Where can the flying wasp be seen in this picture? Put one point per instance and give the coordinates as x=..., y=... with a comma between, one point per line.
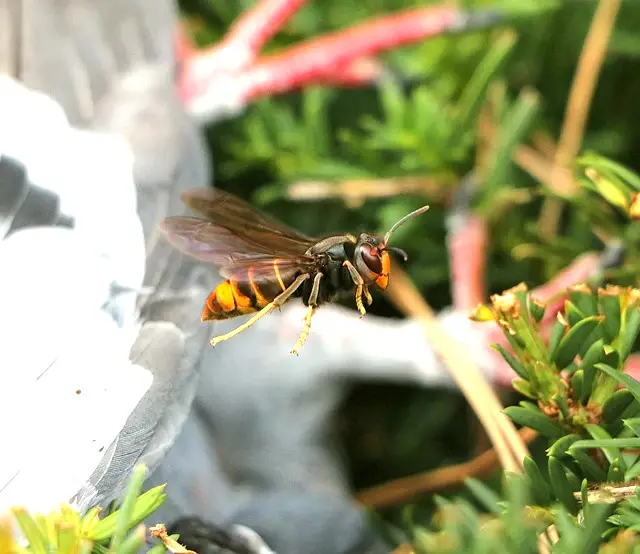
x=265, y=263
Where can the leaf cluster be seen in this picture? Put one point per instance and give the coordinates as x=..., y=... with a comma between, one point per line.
x=583, y=496
x=66, y=531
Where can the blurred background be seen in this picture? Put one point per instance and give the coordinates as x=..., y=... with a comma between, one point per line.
x=487, y=110
x=340, y=158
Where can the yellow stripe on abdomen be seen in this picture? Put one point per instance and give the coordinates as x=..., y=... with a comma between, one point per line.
x=225, y=297
x=227, y=301
x=261, y=300
x=244, y=303
x=276, y=269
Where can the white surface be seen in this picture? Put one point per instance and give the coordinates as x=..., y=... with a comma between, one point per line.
x=68, y=386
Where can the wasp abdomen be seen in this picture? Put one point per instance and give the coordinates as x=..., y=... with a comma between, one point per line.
x=227, y=301
x=232, y=298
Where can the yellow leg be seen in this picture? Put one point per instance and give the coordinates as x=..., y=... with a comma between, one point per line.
x=305, y=332
x=277, y=302
x=359, y=305
x=311, y=309
x=367, y=295
x=360, y=288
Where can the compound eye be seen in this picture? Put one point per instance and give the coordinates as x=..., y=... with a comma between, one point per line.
x=371, y=257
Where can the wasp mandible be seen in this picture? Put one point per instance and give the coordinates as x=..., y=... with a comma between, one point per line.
x=266, y=263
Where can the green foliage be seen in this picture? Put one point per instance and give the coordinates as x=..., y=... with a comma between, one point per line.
x=65, y=531
x=582, y=487
x=586, y=495
x=430, y=128
x=426, y=123
x=586, y=408
x=600, y=327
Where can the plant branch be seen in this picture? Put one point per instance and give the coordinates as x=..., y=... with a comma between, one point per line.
x=580, y=97
x=355, y=192
x=505, y=439
x=400, y=490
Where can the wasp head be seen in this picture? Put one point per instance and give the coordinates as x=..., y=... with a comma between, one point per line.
x=371, y=256
x=371, y=259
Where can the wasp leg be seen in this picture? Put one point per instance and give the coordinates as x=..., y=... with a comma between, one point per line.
x=311, y=309
x=367, y=295
x=276, y=303
x=360, y=287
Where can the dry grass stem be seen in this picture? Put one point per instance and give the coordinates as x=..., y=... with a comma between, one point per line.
x=478, y=392
x=586, y=77
x=537, y=161
x=355, y=192
x=543, y=544
x=547, y=539
x=579, y=102
x=543, y=142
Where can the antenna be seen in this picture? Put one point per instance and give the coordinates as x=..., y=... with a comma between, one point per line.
x=402, y=221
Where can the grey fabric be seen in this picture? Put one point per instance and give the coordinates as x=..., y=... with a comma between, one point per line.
x=262, y=423
x=23, y=204
x=110, y=65
x=315, y=524
x=159, y=348
x=78, y=50
x=40, y=207
x=287, y=522
x=13, y=191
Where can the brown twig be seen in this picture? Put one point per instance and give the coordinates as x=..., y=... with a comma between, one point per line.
x=537, y=161
x=504, y=437
x=544, y=142
x=580, y=97
x=354, y=192
x=535, y=164
x=547, y=539
x=400, y=490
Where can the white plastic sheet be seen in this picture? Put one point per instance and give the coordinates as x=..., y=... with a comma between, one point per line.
x=66, y=382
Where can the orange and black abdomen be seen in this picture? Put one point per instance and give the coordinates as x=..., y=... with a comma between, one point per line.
x=235, y=297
